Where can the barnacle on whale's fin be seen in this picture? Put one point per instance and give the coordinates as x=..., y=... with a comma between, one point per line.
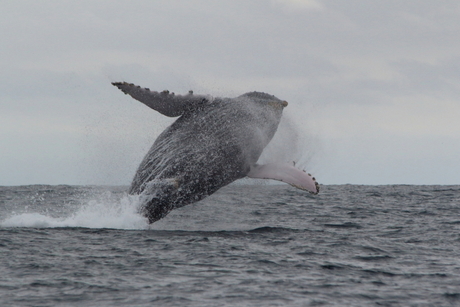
x=164, y=102
x=286, y=173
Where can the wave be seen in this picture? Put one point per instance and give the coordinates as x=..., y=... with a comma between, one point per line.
x=270, y=229
x=108, y=212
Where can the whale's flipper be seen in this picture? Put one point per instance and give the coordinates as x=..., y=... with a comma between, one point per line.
x=286, y=173
x=166, y=103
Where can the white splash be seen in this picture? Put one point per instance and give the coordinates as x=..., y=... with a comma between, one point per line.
x=102, y=213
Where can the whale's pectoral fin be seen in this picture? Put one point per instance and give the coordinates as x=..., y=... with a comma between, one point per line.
x=286, y=173
x=164, y=102
x=154, y=201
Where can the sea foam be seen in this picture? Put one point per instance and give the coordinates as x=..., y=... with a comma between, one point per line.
x=103, y=212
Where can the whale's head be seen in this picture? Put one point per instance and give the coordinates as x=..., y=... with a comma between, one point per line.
x=266, y=101
x=262, y=115
x=265, y=106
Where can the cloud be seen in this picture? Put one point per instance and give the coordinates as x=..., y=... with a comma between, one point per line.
x=293, y=5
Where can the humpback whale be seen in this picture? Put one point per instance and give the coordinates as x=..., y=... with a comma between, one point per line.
x=213, y=142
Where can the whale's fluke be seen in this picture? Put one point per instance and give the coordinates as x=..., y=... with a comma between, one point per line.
x=286, y=173
x=164, y=102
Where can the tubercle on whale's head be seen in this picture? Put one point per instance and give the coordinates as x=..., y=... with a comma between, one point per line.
x=278, y=104
x=264, y=99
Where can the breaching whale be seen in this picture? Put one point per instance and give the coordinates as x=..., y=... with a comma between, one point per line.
x=214, y=142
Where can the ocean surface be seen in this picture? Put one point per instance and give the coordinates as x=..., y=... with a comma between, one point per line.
x=247, y=245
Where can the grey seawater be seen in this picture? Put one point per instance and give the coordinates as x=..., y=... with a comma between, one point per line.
x=244, y=246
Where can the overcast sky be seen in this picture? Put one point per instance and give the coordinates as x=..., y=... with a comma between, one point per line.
x=373, y=86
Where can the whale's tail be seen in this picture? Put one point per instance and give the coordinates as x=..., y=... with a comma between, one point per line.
x=155, y=198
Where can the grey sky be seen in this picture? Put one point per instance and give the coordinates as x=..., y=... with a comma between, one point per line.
x=373, y=86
